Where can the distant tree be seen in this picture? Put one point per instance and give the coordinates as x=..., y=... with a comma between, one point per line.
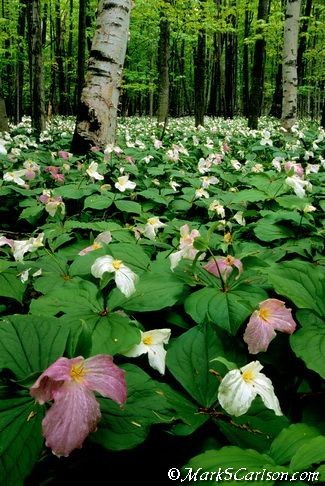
x=36, y=66
x=200, y=76
x=163, y=71
x=97, y=113
x=289, y=70
x=257, y=84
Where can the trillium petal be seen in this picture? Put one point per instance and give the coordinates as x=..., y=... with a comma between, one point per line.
x=125, y=280
x=136, y=350
x=280, y=317
x=51, y=380
x=258, y=334
x=158, y=336
x=234, y=394
x=104, y=377
x=175, y=258
x=157, y=357
x=265, y=390
x=102, y=265
x=70, y=419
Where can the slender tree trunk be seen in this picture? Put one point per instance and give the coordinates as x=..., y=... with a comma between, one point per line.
x=289, y=74
x=69, y=74
x=301, y=51
x=256, y=95
x=59, y=55
x=245, y=90
x=199, y=79
x=97, y=114
x=81, y=48
x=20, y=61
x=163, y=72
x=230, y=68
x=3, y=115
x=322, y=123
x=37, y=86
x=276, y=107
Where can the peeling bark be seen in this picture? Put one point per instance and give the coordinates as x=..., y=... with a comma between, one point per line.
x=97, y=113
x=289, y=74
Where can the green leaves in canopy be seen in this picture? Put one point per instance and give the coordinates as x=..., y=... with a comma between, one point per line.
x=227, y=310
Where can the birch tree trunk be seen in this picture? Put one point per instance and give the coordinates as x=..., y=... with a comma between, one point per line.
x=289, y=72
x=97, y=113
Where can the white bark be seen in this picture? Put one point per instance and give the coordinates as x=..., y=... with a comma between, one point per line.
x=289, y=73
x=97, y=117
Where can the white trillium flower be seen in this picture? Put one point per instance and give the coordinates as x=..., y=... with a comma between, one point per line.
x=201, y=193
x=92, y=172
x=123, y=183
x=151, y=227
x=218, y=208
x=152, y=343
x=125, y=278
x=15, y=176
x=239, y=387
x=20, y=247
x=299, y=185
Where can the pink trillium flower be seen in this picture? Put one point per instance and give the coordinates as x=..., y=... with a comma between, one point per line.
x=186, y=249
x=71, y=384
x=224, y=266
x=272, y=316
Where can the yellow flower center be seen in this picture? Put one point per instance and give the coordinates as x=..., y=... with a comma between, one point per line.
x=229, y=260
x=248, y=376
x=264, y=314
x=117, y=264
x=152, y=221
x=78, y=372
x=227, y=238
x=147, y=340
x=96, y=246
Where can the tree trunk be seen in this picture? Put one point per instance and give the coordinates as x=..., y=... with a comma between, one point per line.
x=97, y=113
x=81, y=48
x=301, y=51
x=289, y=74
x=3, y=116
x=199, y=79
x=230, y=67
x=20, y=61
x=163, y=72
x=37, y=86
x=256, y=94
x=322, y=123
x=245, y=90
x=276, y=107
x=59, y=54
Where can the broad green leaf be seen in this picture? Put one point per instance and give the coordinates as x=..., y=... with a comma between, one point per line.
x=256, y=429
x=107, y=332
x=128, y=206
x=127, y=426
x=308, y=343
x=289, y=441
x=30, y=343
x=238, y=463
x=21, y=439
x=302, y=282
x=98, y=201
x=248, y=195
x=11, y=286
x=154, y=291
x=312, y=452
x=267, y=230
x=72, y=191
x=190, y=359
x=227, y=310
x=80, y=298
